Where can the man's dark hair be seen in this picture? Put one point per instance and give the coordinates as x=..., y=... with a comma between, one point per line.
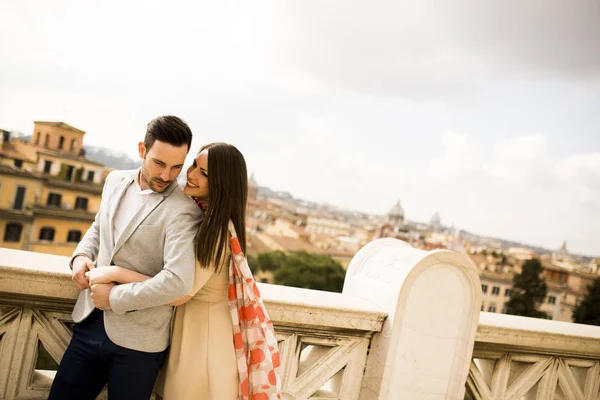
x=168, y=129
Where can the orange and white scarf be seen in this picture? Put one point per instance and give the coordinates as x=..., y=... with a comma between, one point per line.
x=253, y=334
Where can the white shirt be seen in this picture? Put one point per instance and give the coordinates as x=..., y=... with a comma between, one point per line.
x=133, y=198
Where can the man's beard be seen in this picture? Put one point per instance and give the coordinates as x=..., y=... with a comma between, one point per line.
x=150, y=182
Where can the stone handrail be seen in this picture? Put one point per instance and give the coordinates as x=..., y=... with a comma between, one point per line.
x=407, y=326
x=528, y=358
x=323, y=337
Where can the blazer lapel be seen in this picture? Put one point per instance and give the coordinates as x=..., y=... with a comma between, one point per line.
x=114, y=202
x=148, y=206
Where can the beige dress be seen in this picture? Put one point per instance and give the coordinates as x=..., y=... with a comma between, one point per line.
x=202, y=363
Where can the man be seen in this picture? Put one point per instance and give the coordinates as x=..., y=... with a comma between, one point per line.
x=146, y=224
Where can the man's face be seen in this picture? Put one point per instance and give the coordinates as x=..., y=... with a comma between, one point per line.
x=161, y=164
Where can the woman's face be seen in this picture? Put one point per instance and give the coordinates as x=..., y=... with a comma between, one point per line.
x=197, y=177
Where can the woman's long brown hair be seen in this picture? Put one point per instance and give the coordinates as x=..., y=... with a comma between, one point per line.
x=228, y=191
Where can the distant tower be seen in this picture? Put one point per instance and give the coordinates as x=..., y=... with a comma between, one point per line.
x=436, y=220
x=562, y=254
x=396, y=216
x=252, y=188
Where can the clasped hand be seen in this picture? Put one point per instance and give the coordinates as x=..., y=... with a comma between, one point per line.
x=98, y=280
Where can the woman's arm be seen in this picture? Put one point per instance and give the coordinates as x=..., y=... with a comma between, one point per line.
x=118, y=274
x=114, y=273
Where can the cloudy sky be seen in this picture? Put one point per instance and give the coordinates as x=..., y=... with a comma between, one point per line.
x=486, y=111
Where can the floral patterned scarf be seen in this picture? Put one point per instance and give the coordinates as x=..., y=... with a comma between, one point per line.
x=253, y=334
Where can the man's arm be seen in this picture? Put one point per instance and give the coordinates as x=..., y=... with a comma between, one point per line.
x=177, y=276
x=89, y=245
x=87, y=249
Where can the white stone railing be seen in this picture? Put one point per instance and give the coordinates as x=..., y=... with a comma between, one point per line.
x=525, y=358
x=406, y=327
x=324, y=337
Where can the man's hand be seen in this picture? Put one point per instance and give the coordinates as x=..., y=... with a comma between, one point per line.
x=101, y=295
x=100, y=275
x=81, y=264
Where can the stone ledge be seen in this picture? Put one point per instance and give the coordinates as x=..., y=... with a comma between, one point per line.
x=539, y=336
x=27, y=274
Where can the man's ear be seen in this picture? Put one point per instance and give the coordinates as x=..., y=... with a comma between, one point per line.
x=142, y=150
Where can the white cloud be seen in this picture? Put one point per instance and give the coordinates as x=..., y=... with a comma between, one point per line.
x=344, y=102
x=522, y=187
x=580, y=169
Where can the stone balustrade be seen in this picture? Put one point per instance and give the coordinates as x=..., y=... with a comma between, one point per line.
x=407, y=326
x=526, y=358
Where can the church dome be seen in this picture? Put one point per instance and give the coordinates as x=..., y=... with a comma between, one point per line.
x=396, y=211
x=252, y=182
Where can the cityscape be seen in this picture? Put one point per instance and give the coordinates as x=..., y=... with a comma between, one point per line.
x=51, y=189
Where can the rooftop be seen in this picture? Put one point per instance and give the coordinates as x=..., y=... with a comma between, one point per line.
x=58, y=124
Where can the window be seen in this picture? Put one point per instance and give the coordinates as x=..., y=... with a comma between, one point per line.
x=492, y=308
x=19, y=164
x=54, y=199
x=506, y=292
x=47, y=140
x=37, y=138
x=552, y=300
x=73, y=145
x=19, y=198
x=484, y=288
x=81, y=203
x=61, y=142
x=47, y=233
x=70, y=170
x=13, y=232
x=496, y=290
x=74, y=236
x=90, y=176
x=47, y=166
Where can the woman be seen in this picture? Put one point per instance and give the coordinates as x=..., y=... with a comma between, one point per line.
x=203, y=358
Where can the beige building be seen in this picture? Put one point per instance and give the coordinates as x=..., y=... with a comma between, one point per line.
x=566, y=282
x=327, y=226
x=49, y=191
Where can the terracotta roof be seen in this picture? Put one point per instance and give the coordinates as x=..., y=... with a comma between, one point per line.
x=8, y=150
x=552, y=267
x=291, y=244
x=59, y=124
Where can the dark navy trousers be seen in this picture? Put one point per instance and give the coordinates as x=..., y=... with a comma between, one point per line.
x=92, y=360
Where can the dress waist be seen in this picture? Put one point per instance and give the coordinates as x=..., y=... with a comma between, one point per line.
x=212, y=295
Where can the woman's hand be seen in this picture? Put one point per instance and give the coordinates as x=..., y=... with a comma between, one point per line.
x=100, y=275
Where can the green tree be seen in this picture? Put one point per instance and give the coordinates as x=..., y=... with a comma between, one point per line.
x=588, y=311
x=301, y=269
x=271, y=261
x=253, y=263
x=528, y=291
x=310, y=271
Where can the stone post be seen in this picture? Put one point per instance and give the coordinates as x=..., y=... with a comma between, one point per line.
x=433, y=299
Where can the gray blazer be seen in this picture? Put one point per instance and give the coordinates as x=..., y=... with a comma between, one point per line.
x=159, y=242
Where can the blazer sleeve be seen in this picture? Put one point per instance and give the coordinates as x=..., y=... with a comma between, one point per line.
x=175, y=280
x=89, y=245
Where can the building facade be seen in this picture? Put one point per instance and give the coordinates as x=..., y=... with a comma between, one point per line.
x=49, y=191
